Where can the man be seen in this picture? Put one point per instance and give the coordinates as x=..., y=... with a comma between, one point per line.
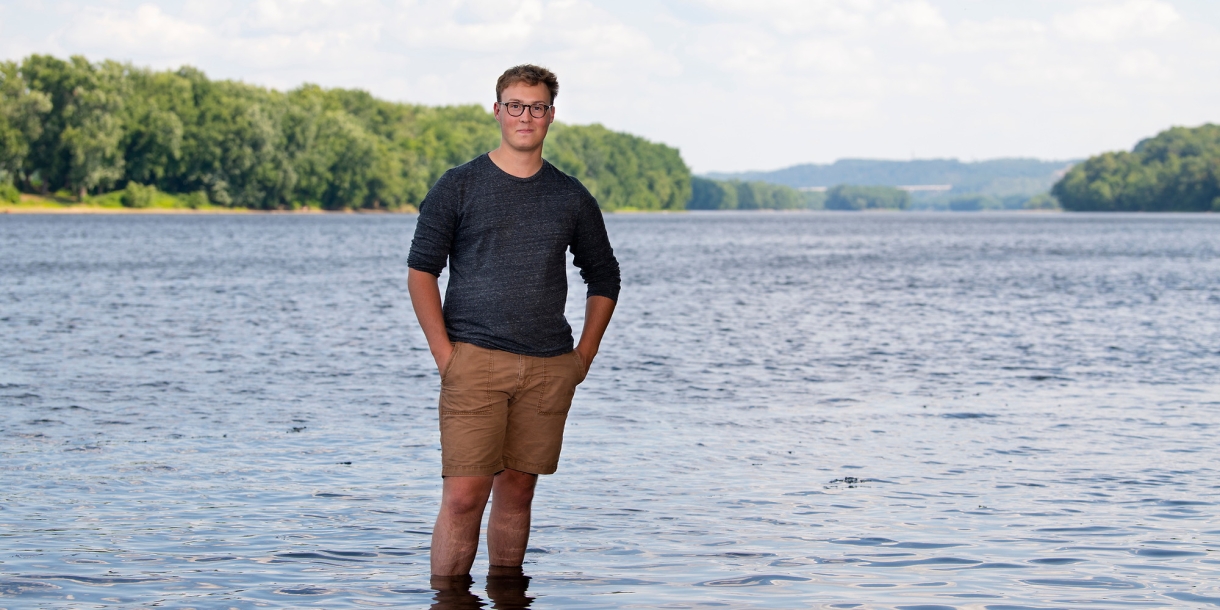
x=501, y=343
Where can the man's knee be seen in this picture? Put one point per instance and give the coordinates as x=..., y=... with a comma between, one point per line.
x=515, y=487
x=465, y=495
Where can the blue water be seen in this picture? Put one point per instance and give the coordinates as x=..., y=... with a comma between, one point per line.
x=811, y=410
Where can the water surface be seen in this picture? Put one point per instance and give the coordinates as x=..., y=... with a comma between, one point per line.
x=906, y=411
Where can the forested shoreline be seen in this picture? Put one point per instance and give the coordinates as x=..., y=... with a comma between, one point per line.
x=1178, y=170
x=115, y=134
x=78, y=129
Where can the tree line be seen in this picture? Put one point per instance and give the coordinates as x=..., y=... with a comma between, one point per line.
x=709, y=194
x=996, y=177
x=82, y=128
x=90, y=127
x=1178, y=170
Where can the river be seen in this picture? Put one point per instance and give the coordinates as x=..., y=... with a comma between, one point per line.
x=815, y=410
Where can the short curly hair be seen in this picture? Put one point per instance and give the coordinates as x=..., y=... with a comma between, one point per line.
x=530, y=75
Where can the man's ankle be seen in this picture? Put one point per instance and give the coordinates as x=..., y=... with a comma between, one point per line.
x=495, y=570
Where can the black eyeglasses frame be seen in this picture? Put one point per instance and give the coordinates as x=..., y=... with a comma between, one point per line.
x=545, y=109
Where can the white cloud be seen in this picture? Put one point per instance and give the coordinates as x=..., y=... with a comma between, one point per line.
x=145, y=29
x=830, y=56
x=918, y=15
x=467, y=26
x=794, y=16
x=1114, y=21
x=1143, y=64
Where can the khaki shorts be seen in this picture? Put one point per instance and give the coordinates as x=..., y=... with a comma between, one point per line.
x=500, y=410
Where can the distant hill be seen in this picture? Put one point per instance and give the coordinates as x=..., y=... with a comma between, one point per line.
x=997, y=177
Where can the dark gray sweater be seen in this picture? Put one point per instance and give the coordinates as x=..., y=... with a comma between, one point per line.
x=505, y=240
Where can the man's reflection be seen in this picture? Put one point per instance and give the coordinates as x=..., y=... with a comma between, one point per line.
x=453, y=593
x=506, y=588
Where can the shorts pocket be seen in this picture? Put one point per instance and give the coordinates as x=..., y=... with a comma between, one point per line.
x=465, y=388
x=453, y=356
x=581, y=370
x=563, y=373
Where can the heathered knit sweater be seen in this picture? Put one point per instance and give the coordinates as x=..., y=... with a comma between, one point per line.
x=505, y=240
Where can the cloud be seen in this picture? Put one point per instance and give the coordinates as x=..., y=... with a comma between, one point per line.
x=1113, y=22
x=145, y=30
x=467, y=26
x=1144, y=64
x=918, y=15
x=796, y=16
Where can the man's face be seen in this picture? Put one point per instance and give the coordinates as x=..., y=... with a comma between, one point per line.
x=524, y=133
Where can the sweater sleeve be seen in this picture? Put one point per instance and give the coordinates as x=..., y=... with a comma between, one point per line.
x=592, y=253
x=436, y=226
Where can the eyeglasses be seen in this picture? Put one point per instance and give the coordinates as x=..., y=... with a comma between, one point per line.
x=517, y=108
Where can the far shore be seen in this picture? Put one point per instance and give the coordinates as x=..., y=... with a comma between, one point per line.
x=85, y=208
x=88, y=209
x=107, y=204
x=45, y=206
x=37, y=204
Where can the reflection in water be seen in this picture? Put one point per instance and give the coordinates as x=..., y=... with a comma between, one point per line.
x=506, y=589
x=453, y=593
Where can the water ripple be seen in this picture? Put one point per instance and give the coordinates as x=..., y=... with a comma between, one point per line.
x=790, y=410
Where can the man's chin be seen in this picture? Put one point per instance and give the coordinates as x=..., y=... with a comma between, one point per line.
x=525, y=146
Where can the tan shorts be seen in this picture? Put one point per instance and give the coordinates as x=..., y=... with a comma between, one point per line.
x=500, y=410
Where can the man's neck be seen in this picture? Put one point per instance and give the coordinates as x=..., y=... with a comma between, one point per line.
x=519, y=163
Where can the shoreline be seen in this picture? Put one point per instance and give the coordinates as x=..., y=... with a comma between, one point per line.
x=56, y=208
x=86, y=209
x=34, y=204
x=109, y=203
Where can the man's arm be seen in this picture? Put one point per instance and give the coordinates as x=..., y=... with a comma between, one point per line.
x=597, y=317
x=426, y=299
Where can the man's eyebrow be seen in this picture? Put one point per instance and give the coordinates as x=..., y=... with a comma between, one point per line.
x=523, y=102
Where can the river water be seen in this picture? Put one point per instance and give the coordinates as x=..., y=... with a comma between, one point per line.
x=805, y=410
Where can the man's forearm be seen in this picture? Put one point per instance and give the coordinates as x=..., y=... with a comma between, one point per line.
x=426, y=300
x=598, y=311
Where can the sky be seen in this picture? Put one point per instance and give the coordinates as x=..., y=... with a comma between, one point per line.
x=734, y=84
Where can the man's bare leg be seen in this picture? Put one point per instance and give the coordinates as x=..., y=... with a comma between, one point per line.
x=455, y=537
x=508, y=531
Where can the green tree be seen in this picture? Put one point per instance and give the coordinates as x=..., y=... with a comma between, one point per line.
x=21, y=115
x=153, y=125
x=9, y=193
x=764, y=196
x=975, y=202
x=1176, y=171
x=1045, y=201
x=110, y=124
x=622, y=171
x=850, y=197
x=93, y=129
x=749, y=195
x=711, y=195
x=136, y=195
x=338, y=169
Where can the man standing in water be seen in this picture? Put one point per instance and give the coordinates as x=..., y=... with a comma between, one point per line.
x=501, y=342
